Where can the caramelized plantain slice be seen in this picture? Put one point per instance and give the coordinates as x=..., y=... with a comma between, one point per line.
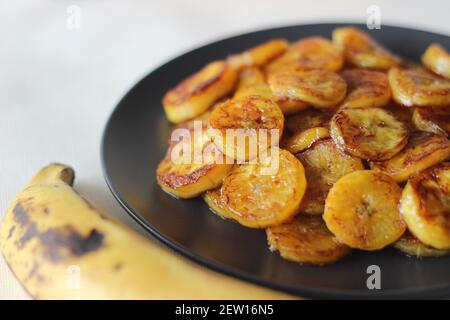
x=213, y=199
x=266, y=193
x=418, y=87
x=413, y=247
x=368, y=133
x=324, y=164
x=423, y=150
x=425, y=206
x=436, y=120
x=361, y=209
x=302, y=140
x=251, y=82
x=437, y=59
x=317, y=87
x=195, y=94
x=362, y=51
x=307, y=119
x=366, y=88
x=306, y=240
x=256, y=122
x=260, y=55
x=192, y=166
x=310, y=53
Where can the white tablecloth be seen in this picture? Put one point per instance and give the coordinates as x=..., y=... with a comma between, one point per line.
x=58, y=84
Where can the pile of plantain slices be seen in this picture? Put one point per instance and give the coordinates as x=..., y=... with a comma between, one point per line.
x=360, y=151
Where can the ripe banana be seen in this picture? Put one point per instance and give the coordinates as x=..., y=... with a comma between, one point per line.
x=324, y=164
x=195, y=94
x=192, y=165
x=362, y=51
x=306, y=240
x=365, y=89
x=418, y=87
x=319, y=88
x=361, y=210
x=265, y=193
x=437, y=59
x=435, y=120
x=310, y=53
x=50, y=231
x=425, y=206
x=413, y=247
x=256, y=124
x=213, y=199
x=368, y=133
x=423, y=150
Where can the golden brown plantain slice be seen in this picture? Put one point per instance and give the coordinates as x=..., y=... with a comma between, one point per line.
x=252, y=82
x=425, y=206
x=324, y=164
x=307, y=119
x=192, y=166
x=366, y=88
x=306, y=240
x=266, y=193
x=361, y=209
x=436, y=120
x=401, y=113
x=423, y=150
x=302, y=140
x=413, y=247
x=259, y=55
x=213, y=199
x=362, y=51
x=253, y=124
x=368, y=133
x=195, y=94
x=317, y=87
x=418, y=87
x=437, y=59
x=310, y=53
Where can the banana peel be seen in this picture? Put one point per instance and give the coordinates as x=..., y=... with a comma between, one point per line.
x=60, y=246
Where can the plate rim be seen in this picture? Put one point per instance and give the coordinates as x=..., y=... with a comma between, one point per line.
x=303, y=291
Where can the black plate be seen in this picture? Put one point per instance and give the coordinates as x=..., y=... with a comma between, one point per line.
x=135, y=140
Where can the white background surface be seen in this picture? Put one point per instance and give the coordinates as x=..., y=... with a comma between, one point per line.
x=57, y=86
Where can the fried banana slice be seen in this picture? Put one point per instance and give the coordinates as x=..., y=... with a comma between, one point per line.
x=192, y=166
x=413, y=247
x=361, y=210
x=252, y=82
x=310, y=53
x=425, y=206
x=418, y=87
x=365, y=89
x=401, y=113
x=195, y=94
x=437, y=59
x=317, y=87
x=423, y=150
x=307, y=119
x=265, y=193
x=436, y=120
x=306, y=240
x=259, y=55
x=324, y=165
x=243, y=128
x=362, y=51
x=368, y=133
x=213, y=199
x=302, y=140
